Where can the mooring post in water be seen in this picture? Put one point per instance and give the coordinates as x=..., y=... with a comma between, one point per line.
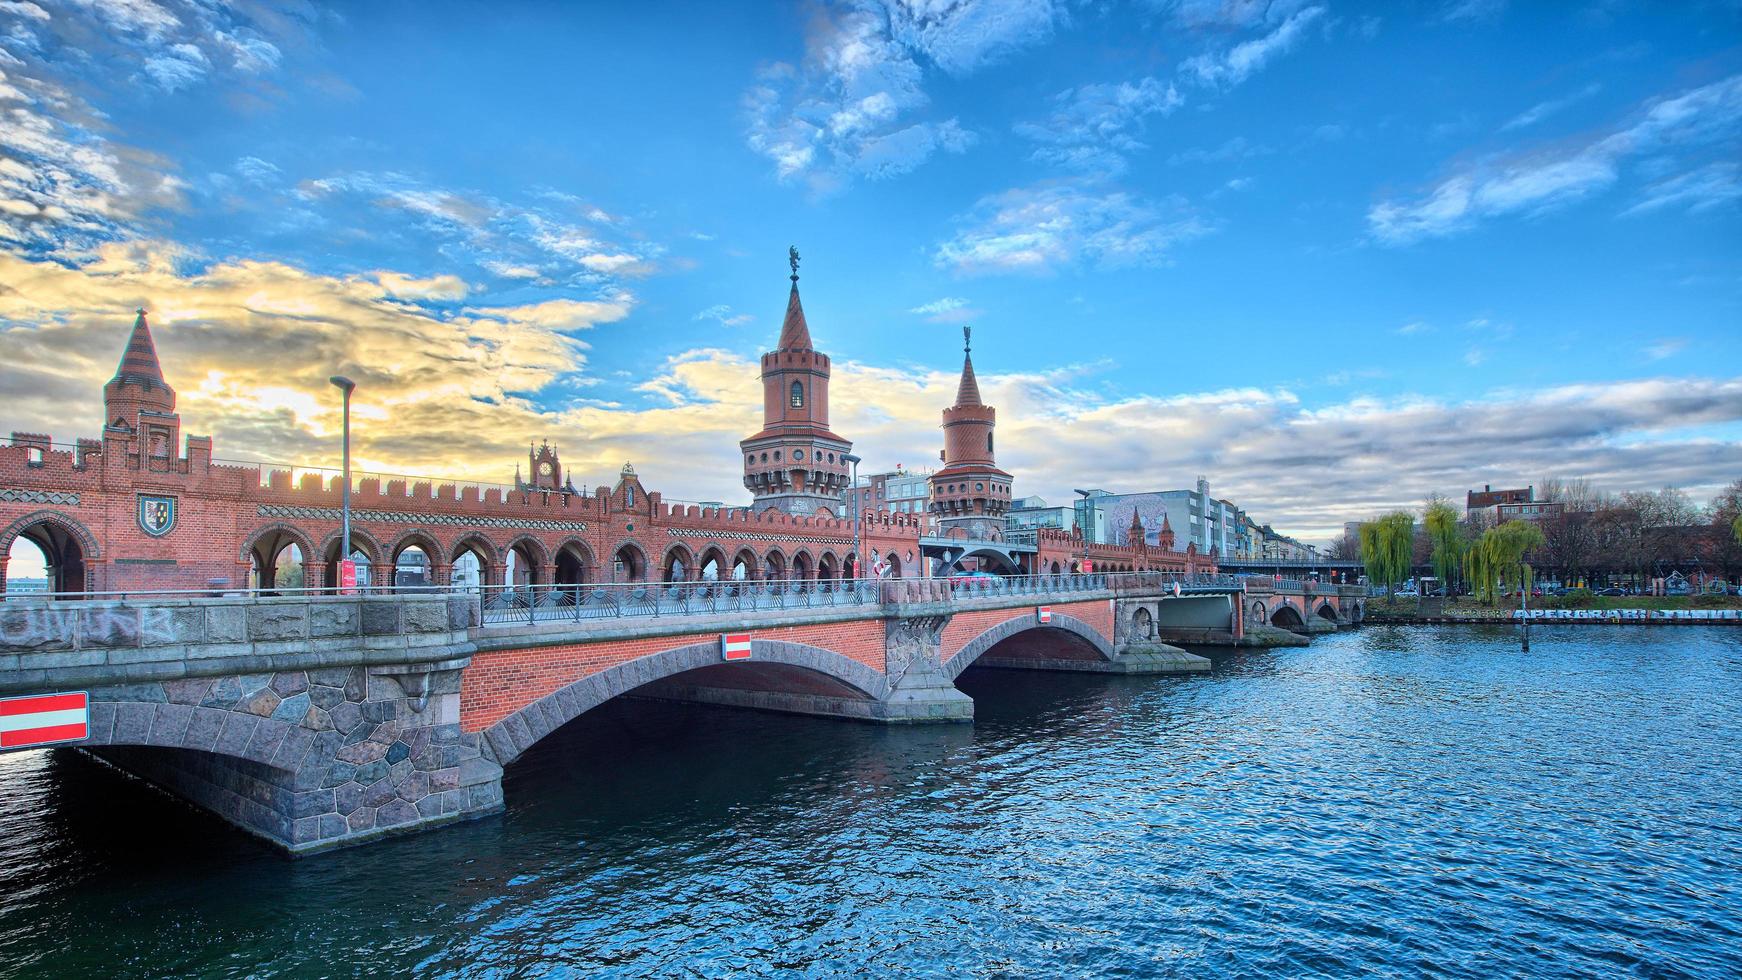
x=1524, y=604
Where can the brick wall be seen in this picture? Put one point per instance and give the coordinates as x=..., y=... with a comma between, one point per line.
x=963, y=627
x=501, y=682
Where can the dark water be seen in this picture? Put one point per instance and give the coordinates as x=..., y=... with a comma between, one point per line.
x=1399, y=800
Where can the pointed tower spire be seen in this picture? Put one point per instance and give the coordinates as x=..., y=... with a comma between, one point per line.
x=139, y=360
x=968, y=392
x=795, y=334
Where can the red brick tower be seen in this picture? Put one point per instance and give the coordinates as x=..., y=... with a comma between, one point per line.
x=137, y=403
x=970, y=492
x=795, y=464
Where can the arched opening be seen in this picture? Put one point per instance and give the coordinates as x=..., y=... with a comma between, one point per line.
x=797, y=394
x=276, y=561
x=366, y=553
x=1023, y=643
x=46, y=557
x=522, y=565
x=467, y=572
x=628, y=565
x=411, y=568
x=826, y=571
x=774, y=566
x=1056, y=569
x=712, y=565
x=1287, y=618
x=677, y=564
x=743, y=566
x=1326, y=612
x=472, y=564
x=571, y=565
x=850, y=566
x=892, y=562
x=801, y=566
x=1142, y=625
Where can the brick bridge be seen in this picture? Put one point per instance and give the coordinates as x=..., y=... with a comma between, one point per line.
x=318, y=721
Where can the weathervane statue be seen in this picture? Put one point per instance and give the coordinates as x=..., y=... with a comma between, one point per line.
x=792, y=259
x=967, y=339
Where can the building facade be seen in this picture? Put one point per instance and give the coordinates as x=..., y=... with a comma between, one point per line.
x=970, y=495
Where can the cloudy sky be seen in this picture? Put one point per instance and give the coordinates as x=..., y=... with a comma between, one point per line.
x=1334, y=257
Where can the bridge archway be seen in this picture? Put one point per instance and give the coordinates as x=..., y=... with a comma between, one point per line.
x=273, y=549
x=774, y=565
x=365, y=551
x=574, y=563
x=712, y=564
x=1326, y=611
x=1026, y=638
x=827, y=569
x=744, y=565
x=524, y=565
x=65, y=546
x=628, y=563
x=1142, y=624
x=1288, y=618
x=677, y=563
x=774, y=665
x=801, y=565
x=413, y=557
x=473, y=562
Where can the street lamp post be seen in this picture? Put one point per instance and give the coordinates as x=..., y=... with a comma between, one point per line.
x=347, y=386
x=858, y=505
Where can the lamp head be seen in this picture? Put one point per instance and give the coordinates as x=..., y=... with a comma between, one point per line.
x=343, y=383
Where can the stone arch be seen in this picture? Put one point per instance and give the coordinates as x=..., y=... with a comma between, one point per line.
x=424, y=541
x=513, y=735
x=1259, y=614
x=361, y=541
x=746, y=558
x=1142, y=624
x=574, y=562
x=1326, y=611
x=196, y=727
x=828, y=567
x=803, y=566
x=525, y=550
x=677, y=563
x=633, y=559
x=711, y=564
x=263, y=545
x=1061, y=623
x=1287, y=617
x=483, y=552
x=66, y=544
x=774, y=564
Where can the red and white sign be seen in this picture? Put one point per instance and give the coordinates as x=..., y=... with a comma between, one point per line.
x=348, y=577
x=1088, y=566
x=734, y=646
x=44, y=719
x=1043, y=613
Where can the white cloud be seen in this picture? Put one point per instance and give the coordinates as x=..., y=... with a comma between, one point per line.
x=855, y=106
x=1542, y=110
x=1092, y=128
x=446, y=287
x=178, y=67
x=947, y=309
x=1552, y=176
x=1666, y=348
x=723, y=315
x=1414, y=327
x=1049, y=226
x=258, y=171
x=1711, y=186
x=1233, y=66
x=1473, y=10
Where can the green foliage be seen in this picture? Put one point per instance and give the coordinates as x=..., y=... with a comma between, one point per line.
x=1386, y=546
x=1496, y=564
x=1736, y=527
x=1441, y=520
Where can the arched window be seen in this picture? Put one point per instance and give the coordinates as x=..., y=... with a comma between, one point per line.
x=798, y=394
x=988, y=442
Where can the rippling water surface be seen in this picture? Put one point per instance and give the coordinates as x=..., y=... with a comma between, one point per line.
x=1394, y=800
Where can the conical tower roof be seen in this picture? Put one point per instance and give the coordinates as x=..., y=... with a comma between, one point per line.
x=139, y=360
x=968, y=392
x=795, y=334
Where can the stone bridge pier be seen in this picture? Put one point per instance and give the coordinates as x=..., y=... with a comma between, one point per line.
x=309, y=724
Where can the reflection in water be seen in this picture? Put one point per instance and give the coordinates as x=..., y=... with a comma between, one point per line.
x=1393, y=800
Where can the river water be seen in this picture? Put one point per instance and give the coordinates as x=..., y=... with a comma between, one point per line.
x=1398, y=800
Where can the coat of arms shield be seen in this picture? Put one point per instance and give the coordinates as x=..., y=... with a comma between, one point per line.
x=156, y=515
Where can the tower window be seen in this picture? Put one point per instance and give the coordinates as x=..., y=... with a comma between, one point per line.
x=988, y=442
x=798, y=394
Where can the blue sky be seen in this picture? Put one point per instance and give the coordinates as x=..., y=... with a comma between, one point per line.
x=1333, y=256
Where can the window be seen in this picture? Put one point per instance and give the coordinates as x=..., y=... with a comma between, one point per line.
x=750, y=460
x=798, y=455
x=831, y=457
x=629, y=495
x=765, y=457
x=979, y=488
x=777, y=455
x=798, y=394
x=988, y=442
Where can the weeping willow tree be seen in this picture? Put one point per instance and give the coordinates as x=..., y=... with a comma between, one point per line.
x=1386, y=549
x=1441, y=520
x=1736, y=527
x=1495, y=565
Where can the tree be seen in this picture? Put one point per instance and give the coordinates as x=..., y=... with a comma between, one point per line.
x=1736, y=528
x=1346, y=548
x=1576, y=494
x=1570, y=543
x=1386, y=549
x=1441, y=520
x=1496, y=565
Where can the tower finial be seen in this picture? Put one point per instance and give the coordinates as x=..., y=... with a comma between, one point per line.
x=792, y=260
x=967, y=339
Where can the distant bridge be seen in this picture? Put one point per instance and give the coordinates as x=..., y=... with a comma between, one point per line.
x=316, y=720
